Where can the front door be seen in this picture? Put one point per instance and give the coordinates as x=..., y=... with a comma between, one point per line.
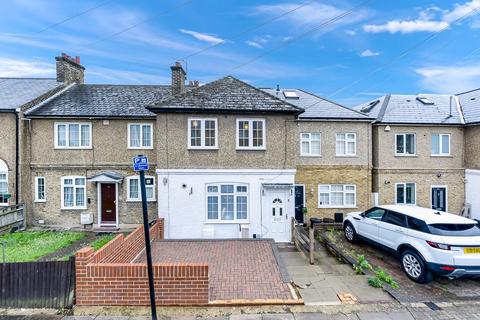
x=275, y=209
x=299, y=202
x=439, y=198
x=108, y=203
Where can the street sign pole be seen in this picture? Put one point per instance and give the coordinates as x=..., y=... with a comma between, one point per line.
x=148, y=249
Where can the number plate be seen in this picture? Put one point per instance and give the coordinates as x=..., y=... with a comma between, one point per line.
x=471, y=250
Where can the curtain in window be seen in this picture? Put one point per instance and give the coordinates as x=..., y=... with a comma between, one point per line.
x=315, y=141
x=61, y=135
x=85, y=135
x=73, y=135
x=340, y=145
x=445, y=144
x=3, y=187
x=196, y=133
x=410, y=144
x=146, y=136
x=134, y=187
x=135, y=135
x=149, y=192
x=241, y=207
x=227, y=207
x=212, y=210
x=68, y=197
x=79, y=196
x=209, y=133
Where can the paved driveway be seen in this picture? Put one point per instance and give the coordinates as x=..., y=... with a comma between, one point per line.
x=238, y=269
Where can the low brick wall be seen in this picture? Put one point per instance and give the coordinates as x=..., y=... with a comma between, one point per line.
x=107, y=278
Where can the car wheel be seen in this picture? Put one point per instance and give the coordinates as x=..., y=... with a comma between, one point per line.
x=350, y=233
x=414, y=267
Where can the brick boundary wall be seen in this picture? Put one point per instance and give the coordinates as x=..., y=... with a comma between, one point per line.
x=100, y=282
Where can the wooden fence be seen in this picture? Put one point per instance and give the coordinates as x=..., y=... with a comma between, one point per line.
x=49, y=284
x=303, y=238
x=12, y=217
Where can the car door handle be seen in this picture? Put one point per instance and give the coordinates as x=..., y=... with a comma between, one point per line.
x=400, y=230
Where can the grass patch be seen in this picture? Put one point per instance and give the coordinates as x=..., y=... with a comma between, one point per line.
x=102, y=240
x=30, y=246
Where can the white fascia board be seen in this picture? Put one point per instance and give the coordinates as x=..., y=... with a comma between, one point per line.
x=226, y=171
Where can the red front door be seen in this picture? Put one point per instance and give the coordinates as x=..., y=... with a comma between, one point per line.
x=109, y=210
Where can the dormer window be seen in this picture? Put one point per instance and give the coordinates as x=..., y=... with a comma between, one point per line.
x=290, y=94
x=425, y=100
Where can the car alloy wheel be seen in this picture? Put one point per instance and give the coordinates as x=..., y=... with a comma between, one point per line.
x=349, y=233
x=412, y=266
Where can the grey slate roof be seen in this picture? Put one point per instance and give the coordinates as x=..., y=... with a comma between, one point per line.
x=98, y=100
x=470, y=103
x=317, y=107
x=407, y=109
x=15, y=92
x=227, y=94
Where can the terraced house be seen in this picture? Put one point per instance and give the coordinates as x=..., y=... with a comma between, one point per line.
x=418, y=150
x=333, y=158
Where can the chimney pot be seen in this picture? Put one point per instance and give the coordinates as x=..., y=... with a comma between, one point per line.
x=196, y=83
x=69, y=70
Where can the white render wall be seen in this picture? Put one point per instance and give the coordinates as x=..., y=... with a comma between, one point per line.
x=472, y=191
x=182, y=200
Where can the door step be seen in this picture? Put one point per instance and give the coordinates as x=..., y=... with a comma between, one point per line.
x=106, y=229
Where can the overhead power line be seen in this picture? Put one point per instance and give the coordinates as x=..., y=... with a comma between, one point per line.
x=241, y=33
x=402, y=54
x=303, y=34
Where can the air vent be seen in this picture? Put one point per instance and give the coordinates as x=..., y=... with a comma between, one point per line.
x=290, y=94
x=370, y=106
x=425, y=100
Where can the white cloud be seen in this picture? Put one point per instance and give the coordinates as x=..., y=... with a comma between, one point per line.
x=351, y=32
x=450, y=78
x=253, y=44
x=431, y=19
x=25, y=68
x=203, y=36
x=312, y=14
x=369, y=53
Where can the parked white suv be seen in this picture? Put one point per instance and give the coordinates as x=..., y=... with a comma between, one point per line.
x=426, y=241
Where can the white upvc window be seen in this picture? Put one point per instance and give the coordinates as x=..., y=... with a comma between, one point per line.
x=140, y=136
x=3, y=183
x=227, y=202
x=405, y=144
x=202, y=133
x=440, y=144
x=40, y=195
x=133, y=188
x=251, y=134
x=405, y=193
x=72, y=135
x=337, y=196
x=310, y=144
x=346, y=144
x=74, y=195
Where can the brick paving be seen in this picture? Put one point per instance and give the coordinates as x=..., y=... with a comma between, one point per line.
x=238, y=269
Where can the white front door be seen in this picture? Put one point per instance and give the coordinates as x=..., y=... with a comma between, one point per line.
x=277, y=213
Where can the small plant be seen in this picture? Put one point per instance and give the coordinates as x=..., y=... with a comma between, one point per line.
x=375, y=282
x=381, y=276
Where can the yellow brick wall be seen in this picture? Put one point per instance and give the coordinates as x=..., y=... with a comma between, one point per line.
x=312, y=176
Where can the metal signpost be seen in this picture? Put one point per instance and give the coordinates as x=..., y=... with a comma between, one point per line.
x=140, y=163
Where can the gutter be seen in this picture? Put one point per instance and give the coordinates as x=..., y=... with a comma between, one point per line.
x=17, y=148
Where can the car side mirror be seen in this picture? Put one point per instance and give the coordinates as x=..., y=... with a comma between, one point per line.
x=362, y=214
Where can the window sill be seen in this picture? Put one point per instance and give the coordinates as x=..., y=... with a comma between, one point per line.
x=441, y=156
x=337, y=207
x=251, y=149
x=140, y=148
x=40, y=201
x=202, y=148
x=76, y=208
x=139, y=200
x=406, y=155
x=72, y=148
x=311, y=155
x=4, y=205
x=228, y=222
x=346, y=156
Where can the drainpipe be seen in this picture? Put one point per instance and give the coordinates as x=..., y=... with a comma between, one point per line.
x=17, y=154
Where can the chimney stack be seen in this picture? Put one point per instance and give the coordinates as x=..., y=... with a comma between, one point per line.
x=69, y=69
x=178, y=78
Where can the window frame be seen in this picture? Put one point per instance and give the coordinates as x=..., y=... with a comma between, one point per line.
x=405, y=196
x=235, y=194
x=202, y=134
x=62, y=192
x=141, y=124
x=309, y=140
x=405, y=154
x=67, y=135
x=344, y=191
x=250, y=134
x=345, y=140
x=37, y=198
x=440, y=145
x=4, y=170
x=139, y=199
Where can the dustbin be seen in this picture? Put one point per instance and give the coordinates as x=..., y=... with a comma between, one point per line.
x=314, y=221
x=338, y=217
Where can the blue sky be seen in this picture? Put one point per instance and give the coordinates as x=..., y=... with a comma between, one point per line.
x=265, y=43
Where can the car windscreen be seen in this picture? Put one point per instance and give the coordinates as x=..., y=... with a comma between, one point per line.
x=455, y=230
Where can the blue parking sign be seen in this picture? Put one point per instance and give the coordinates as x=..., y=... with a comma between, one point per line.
x=140, y=163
